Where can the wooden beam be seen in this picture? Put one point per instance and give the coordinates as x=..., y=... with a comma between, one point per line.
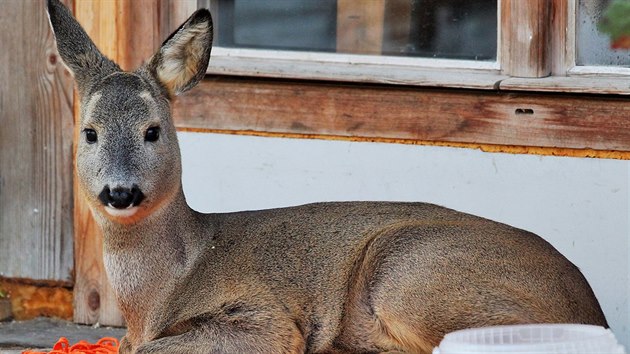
x=423, y=114
x=360, y=26
x=525, y=38
x=35, y=148
x=98, y=18
x=172, y=14
x=138, y=28
x=396, y=26
x=131, y=31
x=560, y=37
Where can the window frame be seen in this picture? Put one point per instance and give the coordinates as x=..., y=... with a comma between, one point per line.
x=571, y=49
x=545, y=63
x=343, y=67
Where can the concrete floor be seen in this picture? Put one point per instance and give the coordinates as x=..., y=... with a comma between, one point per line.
x=43, y=333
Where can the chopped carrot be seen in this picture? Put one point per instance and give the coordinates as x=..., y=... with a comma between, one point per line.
x=103, y=346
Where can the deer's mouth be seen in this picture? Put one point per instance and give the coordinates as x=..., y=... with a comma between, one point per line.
x=121, y=213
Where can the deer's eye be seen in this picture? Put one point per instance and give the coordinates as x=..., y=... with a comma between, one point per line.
x=90, y=136
x=152, y=134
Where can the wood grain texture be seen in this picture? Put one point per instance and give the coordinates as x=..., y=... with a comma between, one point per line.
x=98, y=18
x=360, y=26
x=355, y=72
x=560, y=35
x=570, y=84
x=424, y=114
x=35, y=148
x=173, y=13
x=396, y=26
x=525, y=38
x=138, y=31
x=29, y=301
x=125, y=31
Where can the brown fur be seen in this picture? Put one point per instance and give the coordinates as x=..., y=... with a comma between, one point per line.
x=318, y=278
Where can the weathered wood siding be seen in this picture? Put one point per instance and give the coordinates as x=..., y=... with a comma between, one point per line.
x=36, y=99
x=424, y=114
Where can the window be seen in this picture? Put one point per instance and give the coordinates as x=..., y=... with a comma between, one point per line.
x=386, y=41
x=593, y=51
x=594, y=47
x=451, y=29
x=511, y=44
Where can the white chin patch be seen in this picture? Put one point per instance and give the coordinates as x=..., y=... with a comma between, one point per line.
x=121, y=213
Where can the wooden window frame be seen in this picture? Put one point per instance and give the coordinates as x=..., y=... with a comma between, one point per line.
x=536, y=52
x=357, y=67
x=566, y=75
x=564, y=112
x=529, y=95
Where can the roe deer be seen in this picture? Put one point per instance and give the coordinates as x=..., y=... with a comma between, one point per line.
x=317, y=278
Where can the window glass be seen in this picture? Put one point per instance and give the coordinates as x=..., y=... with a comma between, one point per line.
x=453, y=29
x=600, y=27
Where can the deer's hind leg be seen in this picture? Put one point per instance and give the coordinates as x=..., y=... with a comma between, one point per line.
x=382, y=295
x=415, y=283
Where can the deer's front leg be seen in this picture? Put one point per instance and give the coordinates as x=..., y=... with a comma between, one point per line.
x=266, y=334
x=125, y=346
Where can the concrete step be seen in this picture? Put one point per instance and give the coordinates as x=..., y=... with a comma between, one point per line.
x=42, y=333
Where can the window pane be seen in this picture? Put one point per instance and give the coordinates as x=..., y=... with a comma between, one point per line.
x=457, y=29
x=596, y=24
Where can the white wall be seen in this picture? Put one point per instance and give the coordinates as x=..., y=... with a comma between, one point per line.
x=579, y=205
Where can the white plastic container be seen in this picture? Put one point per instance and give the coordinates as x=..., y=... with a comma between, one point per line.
x=532, y=339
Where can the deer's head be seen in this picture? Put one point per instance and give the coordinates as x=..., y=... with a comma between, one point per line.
x=128, y=160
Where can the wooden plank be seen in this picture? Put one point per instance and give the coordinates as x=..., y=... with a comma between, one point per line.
x=560, y=37
x=525, y=38
x=172, y=14
x=423, y=114
x=31, y=299
x=127, y=31
x=360, y=26
x=396, y=26
x=570, y=84
x=138, y=31
x=318, y=67
x=368, y=73
x=98, y=19
x=570, y=44
x=35, y=148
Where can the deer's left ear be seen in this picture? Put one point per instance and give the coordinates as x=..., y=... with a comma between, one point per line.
x=183, y=58
x=77, y=50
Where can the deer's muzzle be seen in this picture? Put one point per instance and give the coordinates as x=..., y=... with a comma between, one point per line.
x=121, y=197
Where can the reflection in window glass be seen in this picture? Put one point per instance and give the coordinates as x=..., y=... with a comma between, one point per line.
x=454, y=29
x=593, y=46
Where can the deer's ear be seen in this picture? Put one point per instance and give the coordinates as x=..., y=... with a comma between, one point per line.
x=183, y=58
x=76, y=49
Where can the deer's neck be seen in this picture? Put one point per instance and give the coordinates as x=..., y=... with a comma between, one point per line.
x=165, y=231
x=144, y=260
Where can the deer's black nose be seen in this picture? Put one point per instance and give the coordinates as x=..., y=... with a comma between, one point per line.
x=121, y=197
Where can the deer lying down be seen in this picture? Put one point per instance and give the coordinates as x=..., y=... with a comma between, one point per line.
x=318, y=278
